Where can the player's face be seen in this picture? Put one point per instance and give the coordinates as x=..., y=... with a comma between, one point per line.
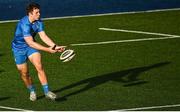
x=36, y=14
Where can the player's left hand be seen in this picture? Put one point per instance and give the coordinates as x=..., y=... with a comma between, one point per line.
x=60, y=48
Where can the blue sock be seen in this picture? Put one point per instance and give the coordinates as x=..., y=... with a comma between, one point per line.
x=31, y=88
x=45, y=88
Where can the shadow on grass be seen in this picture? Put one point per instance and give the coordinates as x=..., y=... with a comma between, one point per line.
x=4, y=98
x=1, y=55
x=1, y=71
x=1, y=60
x=128, y=77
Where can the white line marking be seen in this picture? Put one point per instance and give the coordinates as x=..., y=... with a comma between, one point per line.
x=123, y=41
x=140, y=32
x=9, y=21
x=167, y=36
x=106, y=14
x=152, y=107
x=10, y=108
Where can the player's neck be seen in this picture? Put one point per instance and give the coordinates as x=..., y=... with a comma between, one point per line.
x=31, y=20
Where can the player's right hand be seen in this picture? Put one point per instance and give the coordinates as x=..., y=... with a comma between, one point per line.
x=50, y=50
x=60, y=48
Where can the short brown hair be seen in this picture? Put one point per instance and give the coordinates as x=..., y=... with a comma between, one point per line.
x=31, y=7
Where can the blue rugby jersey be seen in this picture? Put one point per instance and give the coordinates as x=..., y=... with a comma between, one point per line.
x=23, y=29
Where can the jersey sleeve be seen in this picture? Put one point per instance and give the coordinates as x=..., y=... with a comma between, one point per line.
x=26, y=30
x=40, y=26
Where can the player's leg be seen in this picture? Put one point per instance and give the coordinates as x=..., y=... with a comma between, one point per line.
x=35, y=59
x=23, y=70
x=20, y=59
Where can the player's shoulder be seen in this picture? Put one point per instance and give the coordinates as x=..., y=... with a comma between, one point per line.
x=24, y=20
x=39, y=21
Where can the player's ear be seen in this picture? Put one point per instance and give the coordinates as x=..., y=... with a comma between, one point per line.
x=31, y=12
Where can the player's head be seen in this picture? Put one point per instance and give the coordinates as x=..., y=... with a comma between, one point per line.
x=33, y=10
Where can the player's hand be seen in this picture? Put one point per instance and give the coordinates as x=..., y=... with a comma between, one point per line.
x=60, y=48
x=50, y=50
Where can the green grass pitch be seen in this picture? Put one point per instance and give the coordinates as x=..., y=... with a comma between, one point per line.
x=100, y=77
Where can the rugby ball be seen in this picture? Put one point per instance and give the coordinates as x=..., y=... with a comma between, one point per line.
x=67, y=55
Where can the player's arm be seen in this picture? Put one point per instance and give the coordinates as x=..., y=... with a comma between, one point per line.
x=49, y=42
x=46, y=39
x=29, y=40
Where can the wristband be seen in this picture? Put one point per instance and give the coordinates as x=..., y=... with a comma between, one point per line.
x=53, y=48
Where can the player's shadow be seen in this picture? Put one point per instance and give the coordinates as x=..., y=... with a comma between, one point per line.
x=1, y=54
x=1, y=71
x=128, y=77
x=4, y=98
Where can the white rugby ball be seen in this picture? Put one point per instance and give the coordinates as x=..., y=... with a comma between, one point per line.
x=67, y=55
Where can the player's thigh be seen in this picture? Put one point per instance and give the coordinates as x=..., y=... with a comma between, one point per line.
x=34, y=56
x=35, y=59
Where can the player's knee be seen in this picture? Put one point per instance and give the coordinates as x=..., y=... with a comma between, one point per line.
x=23, y=72
x=25, y=76
x=39, y=68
